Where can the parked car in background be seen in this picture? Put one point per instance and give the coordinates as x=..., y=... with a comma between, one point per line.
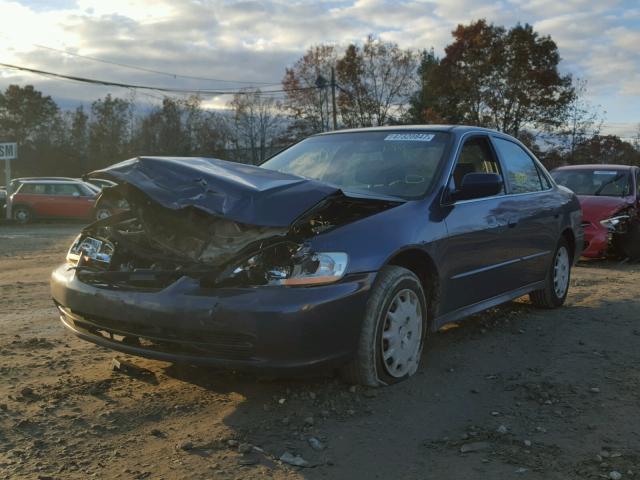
x=610, y=199
x=3, y=198
x=346, y=249
x=55, y=197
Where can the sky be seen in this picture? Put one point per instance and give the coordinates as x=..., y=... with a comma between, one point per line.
x=253, y=42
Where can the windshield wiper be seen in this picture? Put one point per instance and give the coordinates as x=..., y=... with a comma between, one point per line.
x=608, y=182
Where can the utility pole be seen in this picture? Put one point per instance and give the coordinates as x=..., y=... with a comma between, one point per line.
x=321, y=83
x=7, y=176
x=8, y=152
x=333, y=97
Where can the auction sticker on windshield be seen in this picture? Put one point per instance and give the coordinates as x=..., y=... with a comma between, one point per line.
x=409, y=137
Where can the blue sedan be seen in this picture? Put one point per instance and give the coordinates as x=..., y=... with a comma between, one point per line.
x=347, y=249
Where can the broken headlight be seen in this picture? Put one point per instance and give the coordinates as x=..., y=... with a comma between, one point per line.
x=90, y=250
x=615, y=224
x=321, y=267
x=299, y=268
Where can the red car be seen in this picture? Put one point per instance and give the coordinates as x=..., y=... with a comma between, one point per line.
x=610, y=199
x=55, y=198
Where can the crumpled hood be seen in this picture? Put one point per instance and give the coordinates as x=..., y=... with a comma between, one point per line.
x=596, y=208
x=243, y=193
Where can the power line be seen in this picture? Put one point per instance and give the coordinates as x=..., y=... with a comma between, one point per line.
x=147, y=87
x=149, y=70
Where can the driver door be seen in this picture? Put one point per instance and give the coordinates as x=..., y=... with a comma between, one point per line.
x=70, y=201
x=478, y=251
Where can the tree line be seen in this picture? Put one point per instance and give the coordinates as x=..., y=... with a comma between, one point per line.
x=491, y=76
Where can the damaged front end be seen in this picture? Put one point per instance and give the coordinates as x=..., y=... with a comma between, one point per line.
x=624, y=233
x=159, y=240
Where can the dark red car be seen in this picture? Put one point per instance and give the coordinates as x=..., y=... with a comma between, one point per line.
x=59, y=198
x=610, y=199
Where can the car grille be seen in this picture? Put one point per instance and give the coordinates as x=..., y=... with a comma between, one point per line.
x=222, y=345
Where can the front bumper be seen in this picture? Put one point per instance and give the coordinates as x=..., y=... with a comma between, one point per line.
x=596, y=240
x=267, y=327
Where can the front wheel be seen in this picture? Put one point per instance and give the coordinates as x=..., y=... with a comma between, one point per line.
x=21, y=214
x=556, y=286
x=393, y=331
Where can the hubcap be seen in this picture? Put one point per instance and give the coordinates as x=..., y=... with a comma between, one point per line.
x=561, y=272
x=22, y=215
x=402, y=334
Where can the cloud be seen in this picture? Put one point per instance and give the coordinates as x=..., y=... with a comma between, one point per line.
x=255, y=40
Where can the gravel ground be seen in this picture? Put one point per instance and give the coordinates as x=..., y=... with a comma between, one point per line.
x=512, y=393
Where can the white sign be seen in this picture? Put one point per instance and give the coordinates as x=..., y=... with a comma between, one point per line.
x=409, y=137
x=8, y=151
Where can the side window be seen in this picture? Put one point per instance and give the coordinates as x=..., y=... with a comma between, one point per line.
x=66, y=189
x=476, y=156
x=27, y=188
x=521, y=171
x=34, y=189
x=546, y=184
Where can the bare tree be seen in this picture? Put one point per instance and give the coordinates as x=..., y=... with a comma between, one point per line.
x=305, y=85
x=584, y=121
x=376, y=82
x=255, y=124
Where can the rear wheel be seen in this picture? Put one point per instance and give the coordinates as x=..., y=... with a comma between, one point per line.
x=556, y=286
x=393, y=331
x=21, y=214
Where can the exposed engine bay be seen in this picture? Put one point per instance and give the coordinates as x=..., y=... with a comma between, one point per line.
x=150, y=246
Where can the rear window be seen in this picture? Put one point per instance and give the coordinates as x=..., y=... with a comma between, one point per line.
x=400, y=163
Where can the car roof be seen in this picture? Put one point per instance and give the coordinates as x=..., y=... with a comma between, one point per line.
x=26, y=179
x=51, y=181
x=437, y=128
x=596, y=166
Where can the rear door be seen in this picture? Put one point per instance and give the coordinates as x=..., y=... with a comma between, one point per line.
x=532, y=208
x=478, y=249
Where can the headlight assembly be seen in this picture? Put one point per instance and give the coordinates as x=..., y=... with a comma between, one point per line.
x=91, y=249
x=614, y=224
x=322, y=267
x=284, y=266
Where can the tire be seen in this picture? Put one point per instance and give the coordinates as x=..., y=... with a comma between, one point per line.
x=21, y=214
x=395, y=289
x=557, y=280
x=102, y=213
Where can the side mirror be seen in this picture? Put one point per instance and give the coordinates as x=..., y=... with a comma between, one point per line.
x=478, y=185
x=75, y=194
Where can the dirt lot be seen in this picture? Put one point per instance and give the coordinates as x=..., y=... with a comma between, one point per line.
x=523, y=393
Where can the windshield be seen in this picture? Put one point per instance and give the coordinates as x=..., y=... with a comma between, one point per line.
x=605, y=182
x=401, y=164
